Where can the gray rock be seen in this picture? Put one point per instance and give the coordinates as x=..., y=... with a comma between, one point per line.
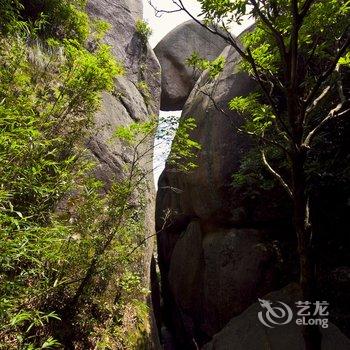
x=126, y=104
x=172, y=51
x=206, y=192
x=216, y=275
x=214, y=262
x=188, y=251
x=239, y=265
x=222, y=248
x=245, y=332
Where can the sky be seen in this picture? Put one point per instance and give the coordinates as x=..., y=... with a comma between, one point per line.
x=164, y=24
x=168, y=21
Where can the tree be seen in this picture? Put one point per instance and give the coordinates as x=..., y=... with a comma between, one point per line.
x=296, y=52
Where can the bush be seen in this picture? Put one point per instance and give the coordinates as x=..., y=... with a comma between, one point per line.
x=58, y=18
x=65, y=259
x=143, y=30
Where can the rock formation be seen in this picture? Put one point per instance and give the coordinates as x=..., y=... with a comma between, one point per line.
x=217, y=253
x=221, y=247
x=172, y=51
x=127, y=103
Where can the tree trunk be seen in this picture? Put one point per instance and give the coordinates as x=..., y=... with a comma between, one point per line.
x=312, y=335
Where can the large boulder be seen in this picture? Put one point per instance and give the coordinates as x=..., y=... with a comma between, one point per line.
x=217, y=251
x=221, y=246
x=246, y=332
x=207, y=192
x=172, y=51
x=225, y=270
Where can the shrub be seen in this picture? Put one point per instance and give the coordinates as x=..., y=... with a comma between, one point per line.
x=56, y=229
x=143, y=30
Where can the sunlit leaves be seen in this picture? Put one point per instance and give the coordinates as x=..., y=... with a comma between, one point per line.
x=56, y=18
x=214, y=67
x=184, y=147
x=143, y=30
x=224, y=9
x=259, y=116
x=49, y=92
x=135, y=132
x=345, y=60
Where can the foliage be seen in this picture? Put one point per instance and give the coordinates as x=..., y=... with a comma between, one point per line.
x=345, y=61
x=184, y=148
x=144, y=89
x=252, y=177
x=57, y=18
x=219, y=9
x=59, y=226
x=134, y=133
x=259, y=117
x=266, y=55
x=296, y=52
x=214, y=67
x=143, y=30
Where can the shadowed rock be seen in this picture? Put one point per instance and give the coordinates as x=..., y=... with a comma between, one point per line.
x=246, y=332
x=126, y=104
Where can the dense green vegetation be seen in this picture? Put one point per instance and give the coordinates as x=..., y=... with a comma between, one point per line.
x=70, y=270
x=71, y=273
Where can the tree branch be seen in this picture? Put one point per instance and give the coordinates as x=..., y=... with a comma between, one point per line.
x=238, y=129
x=305, y=8
x=277, y=35
x=327, y=73
x=294, y=44
x=316, y=102
x=159, y=13
x=332, y=114
x=268, y=95
x=276, y=174
x=228, y=38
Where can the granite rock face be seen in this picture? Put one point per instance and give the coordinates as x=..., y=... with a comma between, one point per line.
x=221, y=247
x=127, y=103
x=172, y=51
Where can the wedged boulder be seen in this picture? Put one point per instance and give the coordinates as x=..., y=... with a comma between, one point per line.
x=172, y=51
x=188, y=252
x=246, y=332
x=207, y=192
x=222, y=247
x=240, y=264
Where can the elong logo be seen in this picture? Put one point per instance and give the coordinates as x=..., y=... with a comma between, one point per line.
x=278, y=313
